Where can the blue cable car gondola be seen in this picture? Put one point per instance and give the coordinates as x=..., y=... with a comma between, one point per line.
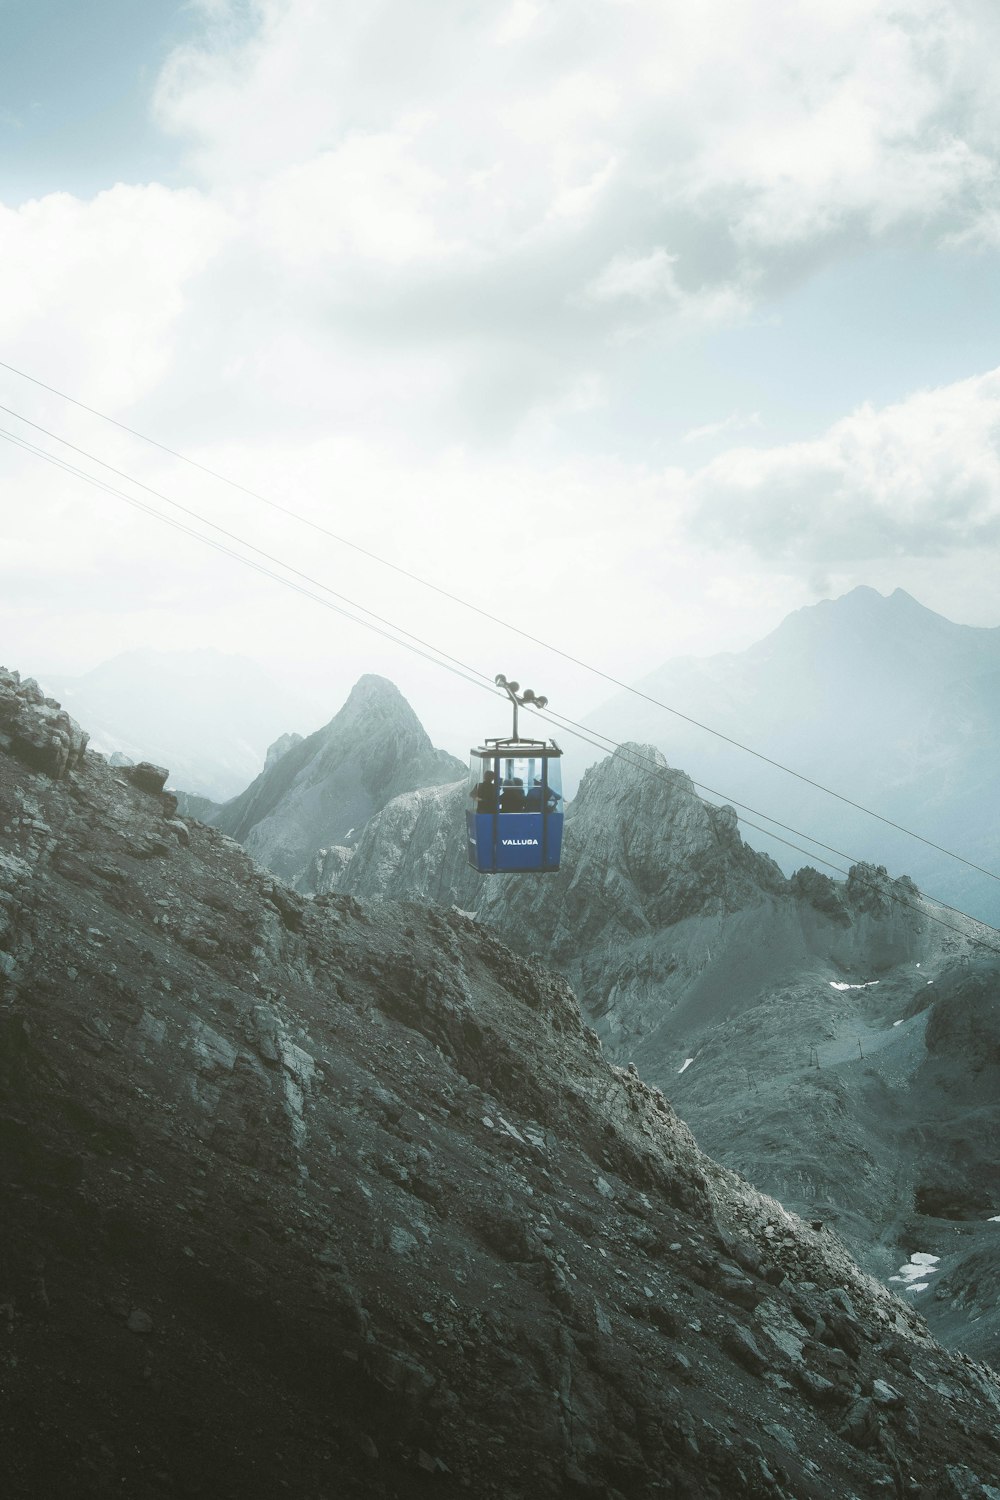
x=515, y=813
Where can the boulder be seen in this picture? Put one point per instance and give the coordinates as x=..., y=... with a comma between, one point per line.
x=147, y=777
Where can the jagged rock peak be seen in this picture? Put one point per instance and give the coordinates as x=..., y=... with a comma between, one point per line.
x=280, y=747
x=871, y=888
x=372, y=694
x=323, y=790
x=639, y=799
x=631, y=765
x=374, y=709
x=642, y=852
x=413, y=848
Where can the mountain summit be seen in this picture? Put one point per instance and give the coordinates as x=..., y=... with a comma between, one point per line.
x=327, y=786
x=886, y=703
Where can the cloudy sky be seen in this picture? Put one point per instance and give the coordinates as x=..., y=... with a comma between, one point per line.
x=638, y=325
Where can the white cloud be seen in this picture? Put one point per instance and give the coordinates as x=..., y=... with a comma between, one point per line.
x=475, y=229
x=424, y=245
x=866, y=116
x=98, y=288
x=918, y=478
x=735, y=422
x=371, y=200
x=644, y=278
x=517, y=22
x=771, y=122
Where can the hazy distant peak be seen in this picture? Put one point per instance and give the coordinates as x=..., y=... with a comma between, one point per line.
x=280, y=747
x=370, y=687
x=323, y=789
x=206, y=714
x=899, y=604
x=862, y=594
x=861, y=615
x=901, y=614
x=862, y=602
x=376, y=698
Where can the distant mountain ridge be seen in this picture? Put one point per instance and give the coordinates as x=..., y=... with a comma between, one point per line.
x=879, y=699
x=207, y=715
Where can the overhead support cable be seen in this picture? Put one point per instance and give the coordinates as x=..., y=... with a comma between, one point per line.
x=483, y=613
x=398, y=636
x=374, y=623
x=653, y=771
x=220, y=547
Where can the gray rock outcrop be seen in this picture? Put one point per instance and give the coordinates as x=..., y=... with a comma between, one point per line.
x=643, y=852
x=37, y=729
x=415, y=849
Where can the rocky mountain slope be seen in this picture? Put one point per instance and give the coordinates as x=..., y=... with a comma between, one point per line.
x=809, y=1025
x=878, y=698
x=316, y=793
x=344, y=1200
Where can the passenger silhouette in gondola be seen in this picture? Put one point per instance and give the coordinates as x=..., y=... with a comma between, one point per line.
x=486, y=793
x=539, y=798
x=512, y=799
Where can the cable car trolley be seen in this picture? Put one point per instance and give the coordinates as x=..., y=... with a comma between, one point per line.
x=515, y=811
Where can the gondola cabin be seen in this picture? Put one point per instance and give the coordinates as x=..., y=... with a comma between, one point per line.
x=515, y=810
